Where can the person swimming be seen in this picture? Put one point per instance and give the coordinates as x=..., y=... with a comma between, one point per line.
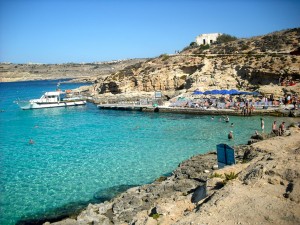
x=230, y=135
x=227, y=119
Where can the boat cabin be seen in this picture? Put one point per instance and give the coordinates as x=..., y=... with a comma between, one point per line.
x=53, y=96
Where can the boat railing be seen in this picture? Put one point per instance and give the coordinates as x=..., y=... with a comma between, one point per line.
x=129, y=102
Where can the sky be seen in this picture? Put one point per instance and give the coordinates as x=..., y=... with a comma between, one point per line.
x=62, y=31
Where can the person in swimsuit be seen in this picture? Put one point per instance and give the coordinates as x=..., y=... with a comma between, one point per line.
x=281, y=129
x=274, y=128
x=262, y=124
x=227, y=119
x=230, y=135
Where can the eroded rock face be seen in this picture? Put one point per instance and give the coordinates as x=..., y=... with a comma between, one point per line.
x=219, y=72
x=247, y=64
x=184, y=72
x=143, y=79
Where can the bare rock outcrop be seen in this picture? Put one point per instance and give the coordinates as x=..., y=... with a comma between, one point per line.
x=266, y=191
x=261, y=66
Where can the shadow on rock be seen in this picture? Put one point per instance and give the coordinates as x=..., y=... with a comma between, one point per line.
x=69, y=210
x=109, y=193
x=72, y=210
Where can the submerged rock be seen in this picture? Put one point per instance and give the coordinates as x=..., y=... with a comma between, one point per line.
x=70, y=210
x=109, y=193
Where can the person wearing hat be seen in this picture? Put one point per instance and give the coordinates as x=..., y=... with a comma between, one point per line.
x=230, y=135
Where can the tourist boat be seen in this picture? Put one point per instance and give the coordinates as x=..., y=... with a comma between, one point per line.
x=52, y=99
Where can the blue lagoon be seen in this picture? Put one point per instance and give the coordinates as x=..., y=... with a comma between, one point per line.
x=79, y=151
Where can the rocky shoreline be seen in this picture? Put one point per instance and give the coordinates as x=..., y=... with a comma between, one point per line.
x=262, y=188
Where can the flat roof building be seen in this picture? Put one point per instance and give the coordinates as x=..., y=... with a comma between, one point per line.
x=204, y=39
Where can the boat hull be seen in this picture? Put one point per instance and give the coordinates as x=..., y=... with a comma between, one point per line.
x=34, y=105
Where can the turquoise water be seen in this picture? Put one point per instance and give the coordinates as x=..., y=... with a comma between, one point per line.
x=81, y=150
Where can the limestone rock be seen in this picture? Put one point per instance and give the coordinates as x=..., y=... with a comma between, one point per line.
x=259, y=69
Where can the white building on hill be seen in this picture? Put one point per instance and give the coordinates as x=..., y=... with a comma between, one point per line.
x=204, y=39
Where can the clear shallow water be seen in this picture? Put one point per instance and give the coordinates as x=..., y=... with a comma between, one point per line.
x=81, y=150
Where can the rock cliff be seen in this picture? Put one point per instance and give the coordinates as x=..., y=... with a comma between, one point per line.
x=256, y=63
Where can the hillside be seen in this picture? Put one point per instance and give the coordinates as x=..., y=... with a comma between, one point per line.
x=10, y=72
x=256, y=63
x=248, y=64
x=277, y=42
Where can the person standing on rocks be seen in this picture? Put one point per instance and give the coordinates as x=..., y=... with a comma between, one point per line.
x=274, y=128
x=281, y=129
x=244, y=110
x=262, y=124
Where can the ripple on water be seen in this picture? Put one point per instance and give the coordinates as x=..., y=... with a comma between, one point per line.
x=83, y=152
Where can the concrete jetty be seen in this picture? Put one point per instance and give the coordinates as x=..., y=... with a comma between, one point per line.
x=127, y=107
x=199, y=111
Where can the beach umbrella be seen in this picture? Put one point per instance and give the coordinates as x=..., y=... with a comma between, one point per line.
x=233, y=92
x=245, y=93
x=207, y=92
x=255, y=93
x=215, y=92
x=197, y=93
x=224, y=92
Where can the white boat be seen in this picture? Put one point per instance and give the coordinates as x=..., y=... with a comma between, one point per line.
x=50, y=100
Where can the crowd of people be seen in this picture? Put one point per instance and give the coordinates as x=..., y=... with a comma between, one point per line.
x=286, y=81
x=247, y=104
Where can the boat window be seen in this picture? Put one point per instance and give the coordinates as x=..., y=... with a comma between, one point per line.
x=51, y=96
